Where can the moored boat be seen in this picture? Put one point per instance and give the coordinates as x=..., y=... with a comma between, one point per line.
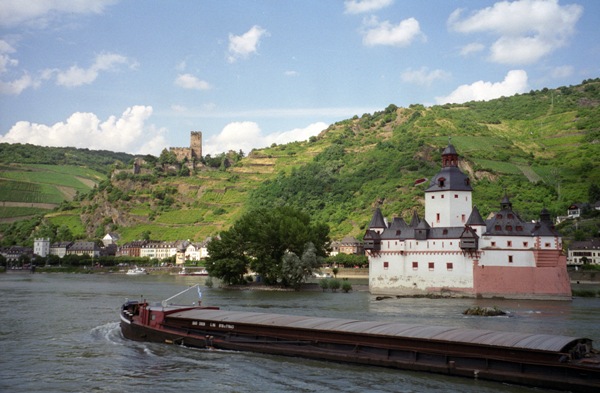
x=137, y=271
x=541, y=360
x=193, y=272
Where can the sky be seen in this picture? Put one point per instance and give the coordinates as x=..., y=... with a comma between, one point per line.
x=137, y=76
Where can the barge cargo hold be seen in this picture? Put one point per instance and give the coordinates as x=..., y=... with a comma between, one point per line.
x=541, y=360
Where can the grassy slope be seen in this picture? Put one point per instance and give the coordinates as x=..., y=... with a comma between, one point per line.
x=42, y=187
x=540, y=148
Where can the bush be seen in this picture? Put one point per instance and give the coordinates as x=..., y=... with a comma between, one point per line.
x=324, y=284
x=334, y=284
x=346, y=286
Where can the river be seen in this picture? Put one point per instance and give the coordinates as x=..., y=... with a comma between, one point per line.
x=60, y=333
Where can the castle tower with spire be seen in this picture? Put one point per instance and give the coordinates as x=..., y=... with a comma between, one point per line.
x=453, y=251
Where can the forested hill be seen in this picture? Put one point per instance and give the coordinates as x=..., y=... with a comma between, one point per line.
x=98, y=160
x=540, y=148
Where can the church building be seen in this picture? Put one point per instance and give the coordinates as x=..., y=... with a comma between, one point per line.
x=453, y=251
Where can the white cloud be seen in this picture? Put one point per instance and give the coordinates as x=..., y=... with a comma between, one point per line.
x=362, y=6
x=526, y=30
x=189, y=81
x=291, y=73
x=17, y=86
x=77, y=76
x=423, y=76
x=37, y=13
x=514, y=82
x=472, y=48
x=385, y=33
x=127, y=133
x=242, y=46
x=247, y=135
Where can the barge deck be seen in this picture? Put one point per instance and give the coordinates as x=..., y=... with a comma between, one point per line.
x=541, y=360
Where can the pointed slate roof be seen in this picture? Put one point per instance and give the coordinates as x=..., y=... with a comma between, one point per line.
x=377, y=221
x=475, y=217
x=398, y=223
x=450, y=177
x=415, y=220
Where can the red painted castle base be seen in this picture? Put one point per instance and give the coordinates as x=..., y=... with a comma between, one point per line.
x=522, y=282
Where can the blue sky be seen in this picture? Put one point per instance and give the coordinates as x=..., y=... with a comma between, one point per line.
x=138, y=76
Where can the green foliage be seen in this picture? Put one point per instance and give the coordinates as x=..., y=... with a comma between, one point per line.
x=260, y=239
x=98, y=160
x=295, y=270
x=347, y=260
x=346, y=286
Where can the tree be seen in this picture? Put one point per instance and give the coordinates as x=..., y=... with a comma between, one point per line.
x=167, y=157
x=227, y=260
x=260, y=239
x=294, y=270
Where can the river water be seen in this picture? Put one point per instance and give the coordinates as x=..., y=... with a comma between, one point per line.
x=60, y=333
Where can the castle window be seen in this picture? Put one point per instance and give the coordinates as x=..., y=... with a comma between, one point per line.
x=386, y=265
x=398, y=232
x=511, y=216
x=498, y=228
x=455, y=196
x=510, y=259
x=547, y=245
x=437, y=217
x=433, y=197
x=431, y=265
x=442, y=196
x=509, y=243
x=499, y=216
x=525, y=244
x=415, y=265
x=493, y=244
x=519, y=228
x=445, y=231
x=462, y=217
x=449, y=266
x=442, y=182
x=509, y=227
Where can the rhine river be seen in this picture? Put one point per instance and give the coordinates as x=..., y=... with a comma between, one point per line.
x=60, y=333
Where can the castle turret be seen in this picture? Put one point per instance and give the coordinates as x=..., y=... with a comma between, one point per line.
x=448, y=198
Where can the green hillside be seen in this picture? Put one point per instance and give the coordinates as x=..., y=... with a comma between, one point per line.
x=541, y=148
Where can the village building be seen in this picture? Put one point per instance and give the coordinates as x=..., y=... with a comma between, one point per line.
x=60, y=248
x=453, y=251
x=41, y=246
x=13, y=253
x=584, y=252
x=131, y=249
x=348, y=245
x=84, y=248
x=159, y=250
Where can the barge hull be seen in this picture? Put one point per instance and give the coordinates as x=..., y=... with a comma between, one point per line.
x=547, y=369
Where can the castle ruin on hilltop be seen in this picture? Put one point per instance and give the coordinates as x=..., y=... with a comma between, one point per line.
x=192, y=153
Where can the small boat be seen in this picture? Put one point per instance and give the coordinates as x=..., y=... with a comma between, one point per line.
x=137, y=271
x=539, y=360
x=199, y=272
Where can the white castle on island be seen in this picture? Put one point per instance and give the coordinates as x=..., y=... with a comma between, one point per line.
x=454, y=252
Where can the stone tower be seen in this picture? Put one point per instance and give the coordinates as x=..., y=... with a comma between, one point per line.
x=196, y=145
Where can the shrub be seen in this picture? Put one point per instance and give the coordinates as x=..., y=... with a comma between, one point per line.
x=324, y=284
x=334, y=284
x=346, y=286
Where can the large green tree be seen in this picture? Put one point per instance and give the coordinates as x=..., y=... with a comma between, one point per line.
x=260, y=239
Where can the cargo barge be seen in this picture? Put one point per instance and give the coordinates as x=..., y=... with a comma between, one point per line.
x=540, y=360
